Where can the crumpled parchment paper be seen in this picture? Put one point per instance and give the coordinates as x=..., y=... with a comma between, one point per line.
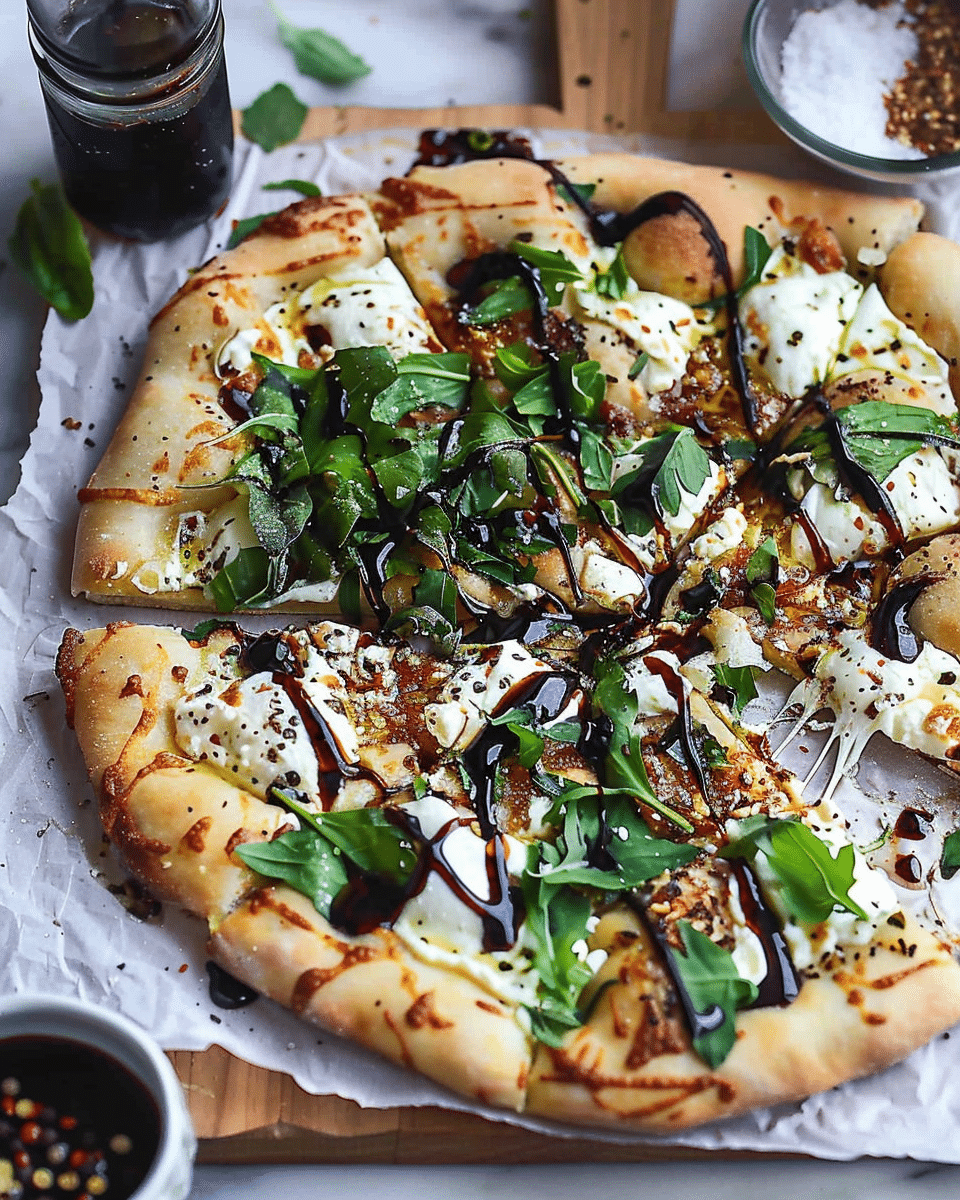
x=63, y=926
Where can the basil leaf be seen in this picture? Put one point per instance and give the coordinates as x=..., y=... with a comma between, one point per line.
x=49, y=246
x=319, y=54
x=596, y=462
x=274, y=118
x=303, y=186
x=762, y=576
x=245, y=226
x=583, y=190
x=740, y=681
x=874, y=433
x=423, y=381
x=370, y=840
x=302, y=859
x=715, y=991
x=669, y=462
x=813, y=883
x=950, y=858
x=508, y=297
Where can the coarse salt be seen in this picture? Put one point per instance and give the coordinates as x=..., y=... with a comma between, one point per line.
x=837, y=63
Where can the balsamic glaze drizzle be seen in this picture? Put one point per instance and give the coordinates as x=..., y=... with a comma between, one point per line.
x=781, y=984
x=890, y=631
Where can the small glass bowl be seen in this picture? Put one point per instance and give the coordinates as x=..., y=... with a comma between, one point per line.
x=767, y=24
x=170, y=1175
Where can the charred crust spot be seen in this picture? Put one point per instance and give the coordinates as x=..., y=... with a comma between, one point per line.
x=423, y=1015
x=133, y=687
x=195, y=838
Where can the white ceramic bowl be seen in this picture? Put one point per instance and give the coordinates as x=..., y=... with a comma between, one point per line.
x=765, y=29
x=171, y=1173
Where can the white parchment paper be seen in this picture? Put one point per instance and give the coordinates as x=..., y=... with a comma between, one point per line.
x=63, y=926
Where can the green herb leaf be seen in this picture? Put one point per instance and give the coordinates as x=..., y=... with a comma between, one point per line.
x=638, y=364
x=303, y=859
x=508, y=297
x=615, y=281
x=874, y=433
x=274, y=118
x=813, y=883
x=304, y=186
x=554, y=268
x=762, y=576
x=756, y=252
x=319, y=54
x=741, y=681
x=715, y=990
x=669, y=462
x=245, y=226
x=950, y=858
x=49, y=246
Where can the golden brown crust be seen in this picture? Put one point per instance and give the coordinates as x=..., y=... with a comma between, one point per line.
x=921, y=284
x=131, y=506
x=849, y=1020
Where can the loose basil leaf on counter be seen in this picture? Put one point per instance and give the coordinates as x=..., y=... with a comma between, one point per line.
x=714, y=989
x=48, y=244
x=813, y=882
x=319, y=54
x=274, y=118
x=950, y=858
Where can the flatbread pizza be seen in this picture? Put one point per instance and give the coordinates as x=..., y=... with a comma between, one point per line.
x=563, y=461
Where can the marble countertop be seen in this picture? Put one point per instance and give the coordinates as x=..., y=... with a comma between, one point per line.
x=423, y=52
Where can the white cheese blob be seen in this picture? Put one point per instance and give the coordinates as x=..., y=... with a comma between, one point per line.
x=611, y=583
x=251, y=731
x=794, y=320
x=665, y=329
x=436, y=923
x=371, y=306
x=877, y=340
x=476, y=690
x=200, y=545
x=653, y=696
x=915, y=704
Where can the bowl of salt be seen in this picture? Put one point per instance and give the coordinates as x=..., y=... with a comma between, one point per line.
x=871, y=87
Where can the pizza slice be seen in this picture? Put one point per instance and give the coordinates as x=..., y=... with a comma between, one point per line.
x=554, y=877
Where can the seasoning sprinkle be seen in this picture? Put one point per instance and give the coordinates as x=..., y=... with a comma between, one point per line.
x=923, y=107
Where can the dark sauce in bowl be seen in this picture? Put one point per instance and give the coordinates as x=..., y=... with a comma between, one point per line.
x=73, y=1122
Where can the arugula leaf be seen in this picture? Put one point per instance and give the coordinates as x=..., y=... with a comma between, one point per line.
x=508, y=297
x=623, y=768
x=556, y=921
x=49, y=246
x=715, y=991
x=245, y=226
x=615, y=281
x=274, y=118
x=250, y=577
x=813, y=883
x=762, y=576
x=950, y=858
x=740, y=682
x=553, y=266
x=638, y=364
x=423, y=381
x=303, y=859
x=756, y=253
x=319, y=54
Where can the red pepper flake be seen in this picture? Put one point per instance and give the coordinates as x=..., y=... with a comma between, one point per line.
x=923, y=106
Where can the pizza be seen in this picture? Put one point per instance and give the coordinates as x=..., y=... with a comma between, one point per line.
x=564, y=463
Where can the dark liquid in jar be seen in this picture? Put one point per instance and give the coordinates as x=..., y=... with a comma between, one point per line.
x=71, y=1120
x=138, y=178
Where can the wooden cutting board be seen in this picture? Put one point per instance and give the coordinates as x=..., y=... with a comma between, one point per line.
x=613, y=57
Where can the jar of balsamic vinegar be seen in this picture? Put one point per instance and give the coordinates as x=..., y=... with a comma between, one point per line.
x=139, y=110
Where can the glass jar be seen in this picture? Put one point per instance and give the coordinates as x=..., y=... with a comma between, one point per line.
x=139, y=110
